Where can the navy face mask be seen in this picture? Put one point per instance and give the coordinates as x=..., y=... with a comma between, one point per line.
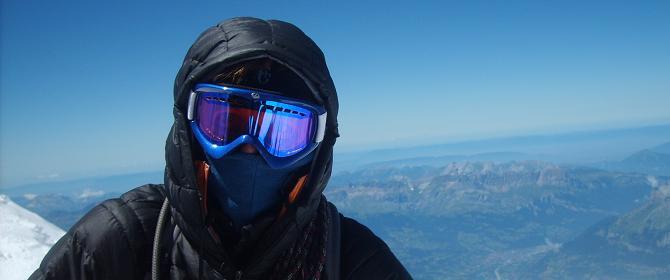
x=245, y=186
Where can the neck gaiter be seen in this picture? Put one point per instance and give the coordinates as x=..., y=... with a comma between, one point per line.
x=245, y=186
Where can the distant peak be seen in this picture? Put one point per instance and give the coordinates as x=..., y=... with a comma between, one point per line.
x=663, y=148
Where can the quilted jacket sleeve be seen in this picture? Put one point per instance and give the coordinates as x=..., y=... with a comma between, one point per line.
x=112, y=241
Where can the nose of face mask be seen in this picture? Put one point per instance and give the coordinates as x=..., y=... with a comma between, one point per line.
x=245, y=186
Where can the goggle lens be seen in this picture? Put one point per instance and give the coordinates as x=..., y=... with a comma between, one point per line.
x=283, y=129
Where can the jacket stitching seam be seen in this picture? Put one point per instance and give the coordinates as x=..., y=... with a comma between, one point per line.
x=84, y=250
x=125, y=234
x=365, y=260
x=272, y=33
x=132, y=210
x=225, y=35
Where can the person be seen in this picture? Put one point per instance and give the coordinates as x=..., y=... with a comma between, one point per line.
x=247, y=159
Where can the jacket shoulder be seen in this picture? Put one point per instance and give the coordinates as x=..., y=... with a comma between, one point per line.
x=366, y=256
x=112, y=240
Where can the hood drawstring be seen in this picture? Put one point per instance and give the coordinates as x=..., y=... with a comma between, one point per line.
x=202, y=176
x=293, y=195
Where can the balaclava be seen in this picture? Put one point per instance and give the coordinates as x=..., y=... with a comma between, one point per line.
x=244, y=185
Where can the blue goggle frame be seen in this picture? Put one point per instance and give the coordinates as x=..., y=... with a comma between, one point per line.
x=256, y=98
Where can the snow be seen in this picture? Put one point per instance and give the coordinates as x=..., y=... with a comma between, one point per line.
x=25, y=238
x=87, y=193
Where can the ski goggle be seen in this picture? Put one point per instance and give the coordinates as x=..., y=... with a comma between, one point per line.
x=282, y=129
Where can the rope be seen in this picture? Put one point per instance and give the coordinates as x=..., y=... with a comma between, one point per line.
x=155, y=262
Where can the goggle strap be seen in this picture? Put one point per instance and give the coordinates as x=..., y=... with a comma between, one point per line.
x=191, y=106
x=321, y=129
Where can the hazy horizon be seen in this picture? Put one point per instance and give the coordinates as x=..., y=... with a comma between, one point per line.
x=573, y=133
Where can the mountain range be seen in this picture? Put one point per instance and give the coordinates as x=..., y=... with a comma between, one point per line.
x=633, y=245
x=481, y=219
x=654, y=161
x=579, y=147
x=483, y=215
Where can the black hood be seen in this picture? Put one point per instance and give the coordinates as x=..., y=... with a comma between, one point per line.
x=225, y=44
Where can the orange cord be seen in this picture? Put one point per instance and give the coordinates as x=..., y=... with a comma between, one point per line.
x=293, y=195
x=202, y=175
x=296, y=190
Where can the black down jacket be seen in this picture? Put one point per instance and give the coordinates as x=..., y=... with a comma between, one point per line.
x=115, y=239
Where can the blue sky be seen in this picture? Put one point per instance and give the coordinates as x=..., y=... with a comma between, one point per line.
x=86, y=86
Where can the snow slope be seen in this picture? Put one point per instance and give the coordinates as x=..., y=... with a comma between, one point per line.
x=25, y=238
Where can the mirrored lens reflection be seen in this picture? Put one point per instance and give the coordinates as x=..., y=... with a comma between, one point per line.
x=283, y=129
x=220, y=121
x=284, y=134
